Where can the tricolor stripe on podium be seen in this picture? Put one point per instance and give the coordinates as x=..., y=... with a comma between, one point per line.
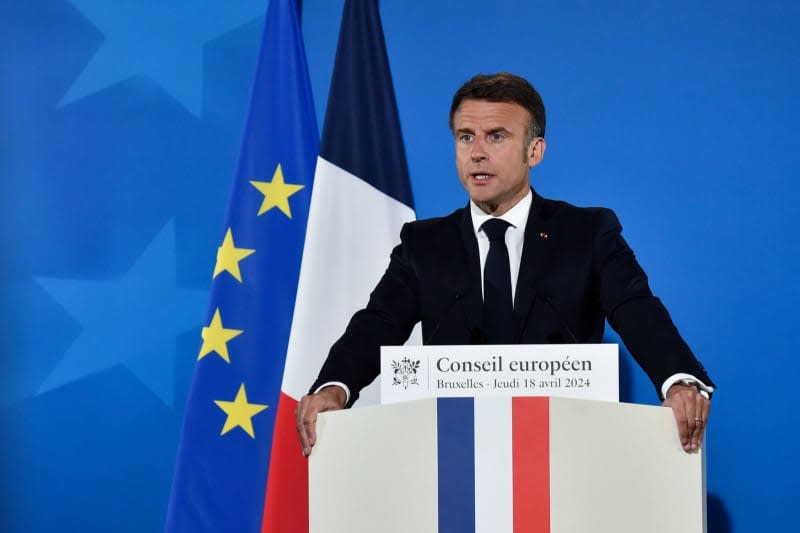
x=493, y=465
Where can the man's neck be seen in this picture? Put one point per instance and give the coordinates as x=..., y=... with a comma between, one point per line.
x=516, y=215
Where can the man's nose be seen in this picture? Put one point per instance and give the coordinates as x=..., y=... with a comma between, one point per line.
x=477, y=153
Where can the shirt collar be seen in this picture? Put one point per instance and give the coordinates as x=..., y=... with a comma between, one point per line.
x=517, y=216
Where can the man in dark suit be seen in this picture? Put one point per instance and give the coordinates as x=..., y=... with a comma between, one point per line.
x=511, y=267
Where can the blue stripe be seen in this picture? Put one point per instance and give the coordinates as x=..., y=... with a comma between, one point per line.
x=456, y=449
x=362, y=127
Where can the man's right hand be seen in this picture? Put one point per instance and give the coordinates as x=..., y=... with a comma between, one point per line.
x=331, y=398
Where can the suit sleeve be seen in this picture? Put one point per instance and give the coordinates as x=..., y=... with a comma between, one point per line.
x=634, y=312
x=388, y=319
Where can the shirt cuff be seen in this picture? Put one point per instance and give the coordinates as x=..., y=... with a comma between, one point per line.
x=336, y=384
x=689, y=379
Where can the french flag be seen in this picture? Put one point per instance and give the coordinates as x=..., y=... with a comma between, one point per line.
x=361, y=199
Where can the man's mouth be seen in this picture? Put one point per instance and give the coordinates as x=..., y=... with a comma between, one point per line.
x=481, y=177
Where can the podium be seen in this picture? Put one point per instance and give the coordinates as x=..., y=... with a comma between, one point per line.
x=498, y=464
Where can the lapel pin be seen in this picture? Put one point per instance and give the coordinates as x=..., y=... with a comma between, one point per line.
x=543, y=235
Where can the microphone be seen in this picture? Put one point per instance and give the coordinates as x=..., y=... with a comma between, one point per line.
x=444, y=314
x=562, y=321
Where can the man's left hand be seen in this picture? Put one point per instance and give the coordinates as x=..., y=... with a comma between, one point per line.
x=691, y=413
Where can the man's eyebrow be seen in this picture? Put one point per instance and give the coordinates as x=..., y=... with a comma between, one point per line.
x=499, y=129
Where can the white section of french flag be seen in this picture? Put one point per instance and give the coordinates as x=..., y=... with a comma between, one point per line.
x=352, y=228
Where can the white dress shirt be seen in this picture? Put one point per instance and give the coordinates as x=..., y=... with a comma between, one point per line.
x=517, y=216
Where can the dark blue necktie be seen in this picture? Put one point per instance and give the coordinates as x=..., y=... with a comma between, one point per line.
x=497, y=301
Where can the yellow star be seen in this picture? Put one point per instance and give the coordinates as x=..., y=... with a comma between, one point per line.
x=216, y=337
x=240, y=413
x=276, y=193
x=228, y=257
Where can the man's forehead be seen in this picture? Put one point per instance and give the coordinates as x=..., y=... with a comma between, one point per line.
x=472, y=113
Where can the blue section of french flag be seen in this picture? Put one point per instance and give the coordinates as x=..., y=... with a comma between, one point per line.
x=362, y=134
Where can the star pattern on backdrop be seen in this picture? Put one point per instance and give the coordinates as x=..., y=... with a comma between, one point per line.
x=215, y=338
x=161, y=40
x=276, y=193
x=228, y=257
x=132, y=321
x=240, y=412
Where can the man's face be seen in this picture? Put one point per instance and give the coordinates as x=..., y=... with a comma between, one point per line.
x=492, y=157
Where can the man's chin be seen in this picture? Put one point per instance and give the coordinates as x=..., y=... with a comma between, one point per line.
x=481, y=197
x=486, y=204
x=480, y=193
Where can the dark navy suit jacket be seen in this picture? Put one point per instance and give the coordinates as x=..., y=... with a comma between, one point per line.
x=576, y=271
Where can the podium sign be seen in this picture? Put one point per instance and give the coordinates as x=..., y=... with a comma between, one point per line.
x=583, y=371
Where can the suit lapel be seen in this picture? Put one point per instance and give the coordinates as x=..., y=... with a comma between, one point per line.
x=540, y=241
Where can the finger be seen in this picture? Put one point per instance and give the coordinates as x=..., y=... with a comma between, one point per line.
x=681, y=419
x=316, y=404
x=699, y=420
x=704, y=407
x=697, y=438
x=310, y=425
x=305, y=447
x=694, y=422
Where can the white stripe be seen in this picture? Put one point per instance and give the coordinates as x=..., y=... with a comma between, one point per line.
x=352, y=228
x=494, y=499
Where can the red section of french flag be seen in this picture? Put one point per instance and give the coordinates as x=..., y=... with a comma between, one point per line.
x=531, y=464
x=286, y=500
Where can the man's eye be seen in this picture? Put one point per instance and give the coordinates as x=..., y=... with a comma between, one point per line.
x=466, y=137
x=497, y=136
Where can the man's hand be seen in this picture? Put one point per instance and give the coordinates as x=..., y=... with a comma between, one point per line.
x=328, y=399
x=691, y=413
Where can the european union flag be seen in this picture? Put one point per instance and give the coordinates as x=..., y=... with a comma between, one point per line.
x=224, y=454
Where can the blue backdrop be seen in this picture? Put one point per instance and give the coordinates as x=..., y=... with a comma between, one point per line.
x=119, y=129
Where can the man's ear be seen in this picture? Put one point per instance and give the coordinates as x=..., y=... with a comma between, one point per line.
x=535, y=152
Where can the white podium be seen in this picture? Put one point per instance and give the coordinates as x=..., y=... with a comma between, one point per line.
x=539, y=465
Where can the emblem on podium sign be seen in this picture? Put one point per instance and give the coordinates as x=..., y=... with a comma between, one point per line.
x=405, y=372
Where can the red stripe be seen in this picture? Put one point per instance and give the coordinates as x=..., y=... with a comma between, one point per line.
x=286, y=502
x=530, y=428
